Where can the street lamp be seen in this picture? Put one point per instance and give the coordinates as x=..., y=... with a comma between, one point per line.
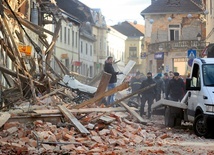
x=151, y=21
x=199, y=36
x=189, y=15
x=160, y=48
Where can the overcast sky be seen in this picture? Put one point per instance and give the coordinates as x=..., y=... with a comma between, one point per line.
x=119, y=10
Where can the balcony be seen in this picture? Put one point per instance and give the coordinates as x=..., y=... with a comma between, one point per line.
x=176, y=45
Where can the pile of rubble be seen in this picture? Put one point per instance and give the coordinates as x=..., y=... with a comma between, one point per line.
x=56, y=125
x=103, y=131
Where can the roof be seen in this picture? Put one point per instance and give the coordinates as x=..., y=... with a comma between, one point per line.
x=173, y=6
x=140, y=27
x=128, y=29
x=76, y=9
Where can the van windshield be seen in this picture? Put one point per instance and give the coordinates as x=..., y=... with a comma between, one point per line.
x=208, y=74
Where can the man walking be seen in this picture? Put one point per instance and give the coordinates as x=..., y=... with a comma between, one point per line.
x=147, y=95
x=108, y=67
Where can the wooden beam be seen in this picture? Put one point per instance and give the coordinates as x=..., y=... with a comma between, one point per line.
x=103, y=84
x=107, y=119
x=73, y=119
x=15, y=48
x=4, y=118
x=20, y=5
x=97, y=98
x=52, y=93
x=134, y=113
x=61, y=66
x=33, y=27
x=14, y=74
x=8, y=79
x=8, y=51
x=83, y=110
x=49, y=50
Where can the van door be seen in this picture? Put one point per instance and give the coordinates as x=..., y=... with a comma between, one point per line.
x=194, y=92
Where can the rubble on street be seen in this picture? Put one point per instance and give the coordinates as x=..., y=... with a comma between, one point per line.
x=41, y=115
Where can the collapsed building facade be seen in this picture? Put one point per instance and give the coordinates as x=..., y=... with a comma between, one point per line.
x=25, y=50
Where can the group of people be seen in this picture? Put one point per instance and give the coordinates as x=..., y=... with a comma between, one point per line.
x=170, y=86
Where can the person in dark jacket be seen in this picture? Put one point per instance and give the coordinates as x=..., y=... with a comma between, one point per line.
x=135, y=82
x=147, y=95
x=113, y=80
x=175, y=88
x=159, y=86
x=166, y=83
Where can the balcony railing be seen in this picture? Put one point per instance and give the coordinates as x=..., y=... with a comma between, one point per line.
x=173, y=45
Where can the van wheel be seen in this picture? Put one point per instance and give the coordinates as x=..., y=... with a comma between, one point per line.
x=200, y=126
x=169, y=118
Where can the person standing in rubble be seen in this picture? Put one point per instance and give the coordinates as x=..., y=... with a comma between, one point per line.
x=135, y=84
x=175, y=88
x=147, y=95
x=108, y=67
x=159, y=85
x=166, y=83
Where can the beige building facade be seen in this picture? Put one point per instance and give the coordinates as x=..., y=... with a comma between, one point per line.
x=171, y=36
x=209, y=16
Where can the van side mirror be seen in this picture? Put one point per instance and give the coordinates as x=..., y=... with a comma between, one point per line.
x=189, y=86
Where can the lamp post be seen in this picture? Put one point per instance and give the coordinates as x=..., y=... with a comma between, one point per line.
x=199, y=40
x=199, y=36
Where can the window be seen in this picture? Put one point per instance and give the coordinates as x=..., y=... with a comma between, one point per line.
x=69, y=39
x=208, y=74
x=196, y=76
x=174, y=32
x=67, y=63
x=86, y=48
x=65, y=35
x=72, y=38
x=90, y=71
x=101, y=44
x=76, y=39
x=95, y=45
x=81, y=46
x=90, y=50
x=132, y=52
x=60, y=35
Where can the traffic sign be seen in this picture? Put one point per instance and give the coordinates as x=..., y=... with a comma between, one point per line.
x=191, y=54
